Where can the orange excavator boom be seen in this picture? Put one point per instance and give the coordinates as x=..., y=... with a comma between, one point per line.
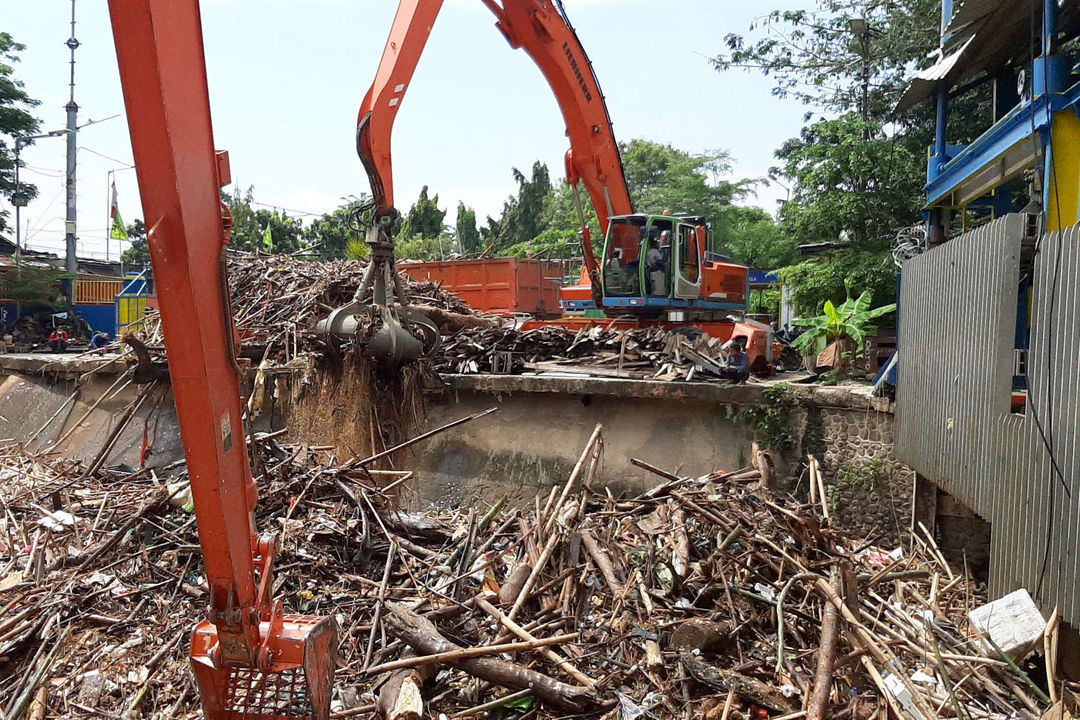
x=250, y=659
x=542, y=29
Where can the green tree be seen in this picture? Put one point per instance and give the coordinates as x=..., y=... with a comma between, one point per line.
x=847, y=185
x=423, y=248
x=139, y=251
x=15, y=119
x=287, y=233
x=750, y=236
x=824, y=278
x=332, y=234
x=561, y=215
x=523, y=214
x=245, y=224
x=849, y=180
x=249, y=225
x=35, y=283
x=853, y=194
x=468, y=235
x=817, y=57
x=662, y=178
x=425, y=219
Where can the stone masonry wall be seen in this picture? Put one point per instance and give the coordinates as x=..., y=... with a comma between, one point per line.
x=868, y=489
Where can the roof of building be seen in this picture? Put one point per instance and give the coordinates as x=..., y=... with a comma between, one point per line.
x=986, y=37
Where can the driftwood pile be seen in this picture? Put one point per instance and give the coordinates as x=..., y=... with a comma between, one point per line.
x=712, y=597
x=651, y=353
x=276, y=298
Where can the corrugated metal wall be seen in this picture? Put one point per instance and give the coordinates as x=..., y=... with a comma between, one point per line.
x=954, y=426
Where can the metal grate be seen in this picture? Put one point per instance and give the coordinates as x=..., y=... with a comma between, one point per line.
x=255, y=694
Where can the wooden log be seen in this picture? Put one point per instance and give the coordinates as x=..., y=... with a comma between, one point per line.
x=522, y=633
x=745, y=687
x=654, y=659
x=826, y=656
x=602, y=561
x=511, y=589
x=39, y=704
x=400, y=697
x=450, y=323
x=423, y=637
x=764, y=465
x=680, y=554
x=551, y=514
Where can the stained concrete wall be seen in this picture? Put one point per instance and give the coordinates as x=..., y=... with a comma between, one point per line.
x=534, y=440
x=39, y=411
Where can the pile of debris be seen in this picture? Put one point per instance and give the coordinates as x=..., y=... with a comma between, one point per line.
x=710, y=597
x=277, y=298
x=647, y=353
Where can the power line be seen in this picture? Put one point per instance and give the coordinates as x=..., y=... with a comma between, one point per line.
x=115, y=160
x=279, y=207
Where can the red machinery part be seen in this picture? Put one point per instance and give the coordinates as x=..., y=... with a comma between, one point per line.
x=159, y=48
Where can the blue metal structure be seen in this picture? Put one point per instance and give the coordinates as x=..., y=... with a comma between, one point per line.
x=1036, y=126
x=959, y=176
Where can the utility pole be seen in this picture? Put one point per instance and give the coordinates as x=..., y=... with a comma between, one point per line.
x=71, y=264
x=861, y=29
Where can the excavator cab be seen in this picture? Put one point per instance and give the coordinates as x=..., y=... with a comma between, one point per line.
x=637, y=258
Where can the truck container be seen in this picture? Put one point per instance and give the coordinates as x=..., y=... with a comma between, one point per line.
x=503, y=286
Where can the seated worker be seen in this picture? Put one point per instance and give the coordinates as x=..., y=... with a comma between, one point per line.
x=58, y=339
x=99, y=340
x=737, y=367
x=656, y=269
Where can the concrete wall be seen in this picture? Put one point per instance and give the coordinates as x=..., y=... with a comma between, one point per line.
x=534, y=440
x=530, y=444
x=537, y=435
x=27, y=404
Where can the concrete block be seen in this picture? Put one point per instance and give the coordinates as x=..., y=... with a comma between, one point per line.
x=1013, y=623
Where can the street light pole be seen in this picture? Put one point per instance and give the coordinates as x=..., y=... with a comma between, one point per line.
x=861, y=29
x=19, y=199
x=71, y=265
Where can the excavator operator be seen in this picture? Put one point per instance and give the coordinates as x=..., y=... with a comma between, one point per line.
x=656, y=265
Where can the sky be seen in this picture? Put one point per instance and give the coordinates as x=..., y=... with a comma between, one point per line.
x=287, y=77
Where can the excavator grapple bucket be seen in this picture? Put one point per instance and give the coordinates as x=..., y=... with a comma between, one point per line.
x=296, y=683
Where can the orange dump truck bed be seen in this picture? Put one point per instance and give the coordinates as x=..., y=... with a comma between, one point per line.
x=498, y=285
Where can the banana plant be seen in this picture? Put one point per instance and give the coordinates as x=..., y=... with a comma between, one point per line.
x=852, y=320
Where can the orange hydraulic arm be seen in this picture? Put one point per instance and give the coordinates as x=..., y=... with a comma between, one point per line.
x=162, y=69
x=545, y=33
